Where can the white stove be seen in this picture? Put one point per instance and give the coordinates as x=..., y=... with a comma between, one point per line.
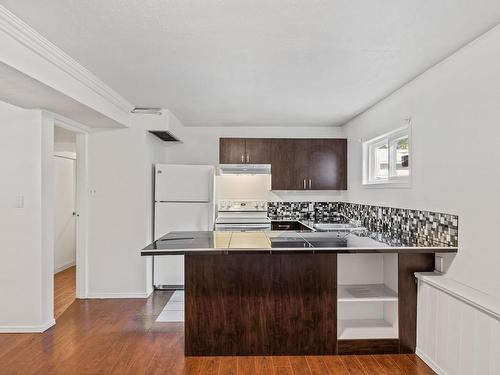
x=242, y=215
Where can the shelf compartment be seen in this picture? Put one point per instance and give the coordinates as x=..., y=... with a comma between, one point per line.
x=366, y=293
x=366, y=329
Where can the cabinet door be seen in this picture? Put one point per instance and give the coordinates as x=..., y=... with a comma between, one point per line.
x=283, y=171
x=258, y=150
x=302, y=162
x=231, y=151
x=328, y=164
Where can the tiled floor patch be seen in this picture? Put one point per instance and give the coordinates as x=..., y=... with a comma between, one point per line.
x=174, y=309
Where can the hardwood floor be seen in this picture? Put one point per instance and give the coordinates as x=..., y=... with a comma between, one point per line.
x=120, y=336
x=64, y=290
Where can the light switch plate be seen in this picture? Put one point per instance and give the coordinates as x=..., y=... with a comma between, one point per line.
x=20, y=201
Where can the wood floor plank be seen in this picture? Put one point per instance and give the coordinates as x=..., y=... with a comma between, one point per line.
x=335, y=365
x=420, y=365
x=370, y=365
x=211, y=366
x=408, y=366
x=283, y=370
x=264, y=366
x=228, y=366
x=281, y=361
x=299, y=365
x=246, y=366
x=317, y=366
x=194, y=366
x=388, y=365
x=352, y=365
x=64, y=290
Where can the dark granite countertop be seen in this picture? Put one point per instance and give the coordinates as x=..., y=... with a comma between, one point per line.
x=271, y=242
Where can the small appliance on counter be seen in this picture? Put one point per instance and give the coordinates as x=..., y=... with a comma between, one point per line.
x=242, y=215
x=183, y=202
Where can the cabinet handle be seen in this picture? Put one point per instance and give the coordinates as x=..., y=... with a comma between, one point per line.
x=310, y=184
x=242, y=158
x=305, y=184
x=248, y=158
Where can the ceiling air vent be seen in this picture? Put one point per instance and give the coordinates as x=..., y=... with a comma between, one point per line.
x=164, y=135
x=147, y=111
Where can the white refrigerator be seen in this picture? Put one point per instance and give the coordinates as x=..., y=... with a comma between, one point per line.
x=184, y=201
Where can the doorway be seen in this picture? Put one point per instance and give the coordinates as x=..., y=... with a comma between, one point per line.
x=65, y=215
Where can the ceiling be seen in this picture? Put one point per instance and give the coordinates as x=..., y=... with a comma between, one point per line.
x=258, y=62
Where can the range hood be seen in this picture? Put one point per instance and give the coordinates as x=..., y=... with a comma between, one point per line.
x=245, y=168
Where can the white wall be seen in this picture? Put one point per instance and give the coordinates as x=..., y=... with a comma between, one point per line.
x=120, y=213
x=456, y=157
x=64, y=206
x=200, y=145
x=455, y=135
x=23, y=287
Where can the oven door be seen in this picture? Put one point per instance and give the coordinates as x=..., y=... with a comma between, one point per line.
x=242, y=227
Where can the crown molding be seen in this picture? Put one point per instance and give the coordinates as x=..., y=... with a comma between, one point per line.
x=29, y=37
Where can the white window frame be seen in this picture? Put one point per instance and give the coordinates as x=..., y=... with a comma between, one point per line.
x=389, y=138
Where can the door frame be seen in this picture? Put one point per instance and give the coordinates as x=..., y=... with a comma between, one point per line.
x=81, y=199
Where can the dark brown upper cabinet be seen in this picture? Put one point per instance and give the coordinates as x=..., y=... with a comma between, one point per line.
x=258, y=150
x=296, y=163
x=328, y=164
x=284, y=172
x=231, y=150
x=309, y=164
x=244, y=151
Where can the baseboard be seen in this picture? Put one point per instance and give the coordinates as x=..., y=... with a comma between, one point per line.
x=433, y=365
x=65, y=267
x=117, y=295
x=28, y=329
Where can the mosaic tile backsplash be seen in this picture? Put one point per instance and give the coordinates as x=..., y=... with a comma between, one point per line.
x=405, y=223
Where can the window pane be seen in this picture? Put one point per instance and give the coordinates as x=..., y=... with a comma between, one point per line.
x=381, y=162
x=402, y=158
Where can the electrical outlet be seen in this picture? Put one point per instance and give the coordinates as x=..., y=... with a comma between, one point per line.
x=439, y=264
x=92, y=192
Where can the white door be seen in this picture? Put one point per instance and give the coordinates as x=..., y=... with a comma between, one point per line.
x=64, y=209
x=183, y=183
x=178, y=216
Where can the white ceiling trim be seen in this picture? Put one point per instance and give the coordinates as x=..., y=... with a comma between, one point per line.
x=26, y=35
x=66, y=123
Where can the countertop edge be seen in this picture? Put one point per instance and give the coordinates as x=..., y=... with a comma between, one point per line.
x=292, y=250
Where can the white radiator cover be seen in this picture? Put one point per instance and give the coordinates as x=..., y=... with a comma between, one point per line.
x=458, y=328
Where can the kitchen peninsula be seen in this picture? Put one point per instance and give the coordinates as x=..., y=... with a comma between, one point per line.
x=292, y=293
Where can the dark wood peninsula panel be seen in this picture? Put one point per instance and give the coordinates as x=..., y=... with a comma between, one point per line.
x=249, y=304
x=408, y=264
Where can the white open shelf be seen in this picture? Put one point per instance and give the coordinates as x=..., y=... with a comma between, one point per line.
x=366, y=329
x=366, y=293
x=367, y=296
